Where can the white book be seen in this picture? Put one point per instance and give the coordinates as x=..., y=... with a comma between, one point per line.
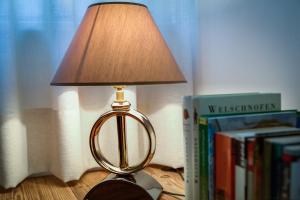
x=240, y=177
x=188, y=146
x=294, y=192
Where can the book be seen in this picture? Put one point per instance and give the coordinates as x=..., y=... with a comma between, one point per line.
x=250, y=168
x=291, y=162
x=295, y=185
x=209, y=125
x=263, y=163
x=211, y=105
x=293, y=152
x=277, y=146
x=235, y=155
x=298, y=119
x=224, y=172
x=188, y=140
x=267, y=171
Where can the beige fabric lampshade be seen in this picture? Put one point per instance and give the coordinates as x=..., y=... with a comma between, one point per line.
x=118, y=43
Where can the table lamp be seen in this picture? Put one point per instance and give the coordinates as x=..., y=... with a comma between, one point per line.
x=119, y=44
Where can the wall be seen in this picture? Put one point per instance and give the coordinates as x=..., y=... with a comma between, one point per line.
x=247, y=46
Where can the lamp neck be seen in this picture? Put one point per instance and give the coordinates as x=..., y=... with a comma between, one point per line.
x=120, y=103
x=119, y=93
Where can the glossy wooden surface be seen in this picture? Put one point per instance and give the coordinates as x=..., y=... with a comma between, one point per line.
x=49, y=187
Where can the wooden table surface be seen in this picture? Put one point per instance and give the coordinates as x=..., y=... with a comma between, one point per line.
x=49, y=187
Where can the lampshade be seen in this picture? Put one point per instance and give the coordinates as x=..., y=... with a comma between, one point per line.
x=117, y=43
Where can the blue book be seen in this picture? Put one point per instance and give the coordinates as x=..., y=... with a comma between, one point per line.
x=298, y=120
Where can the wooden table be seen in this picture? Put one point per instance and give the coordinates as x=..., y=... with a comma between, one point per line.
x=49, y=187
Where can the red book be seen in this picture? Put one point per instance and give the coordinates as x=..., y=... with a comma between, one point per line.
x=224, y=169
x=250, y=168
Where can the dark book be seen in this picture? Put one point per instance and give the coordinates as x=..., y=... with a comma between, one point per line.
x=231, y=159
x=209, y=125
x=276, y=146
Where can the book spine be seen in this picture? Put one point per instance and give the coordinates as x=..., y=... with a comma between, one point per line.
x=250, y=169
x=203, y=131
x=295, y=184
x=287, y=160
x=267, y=170
x=196, y=154
x=240, y=169
x=224, y=168
x=277, y=166
x=210, y=160
x=258, y=168
x=188, y=123
x=298, y=120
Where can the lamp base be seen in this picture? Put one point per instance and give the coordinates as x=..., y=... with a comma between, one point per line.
x=126, y=187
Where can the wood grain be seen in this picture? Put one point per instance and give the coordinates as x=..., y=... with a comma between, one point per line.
x=171, y=181
x=51, y=188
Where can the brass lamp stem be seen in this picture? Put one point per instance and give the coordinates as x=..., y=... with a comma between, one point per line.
x=121, y=104
x=121, y=124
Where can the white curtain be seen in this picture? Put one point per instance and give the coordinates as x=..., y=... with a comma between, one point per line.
x=46, y=129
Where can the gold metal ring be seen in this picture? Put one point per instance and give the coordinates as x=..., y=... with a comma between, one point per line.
x=96, y=150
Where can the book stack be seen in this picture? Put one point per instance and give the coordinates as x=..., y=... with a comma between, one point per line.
x=240, y=147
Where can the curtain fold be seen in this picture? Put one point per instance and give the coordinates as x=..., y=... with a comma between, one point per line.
x=46, y=129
